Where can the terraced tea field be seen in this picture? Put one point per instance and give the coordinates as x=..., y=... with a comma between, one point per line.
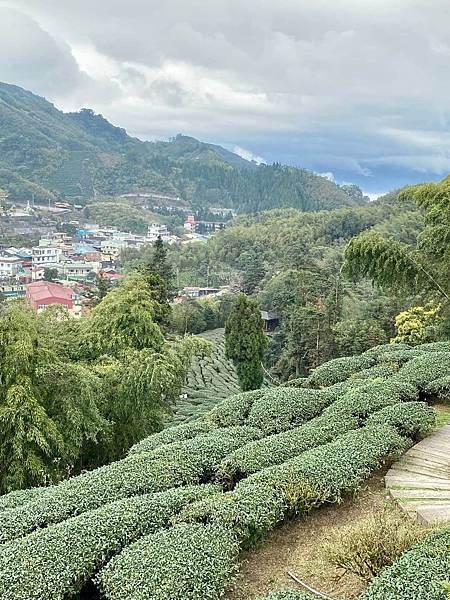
x=210, y=380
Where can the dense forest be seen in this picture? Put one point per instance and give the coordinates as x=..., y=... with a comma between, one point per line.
x=45, y=153
x=292, y=263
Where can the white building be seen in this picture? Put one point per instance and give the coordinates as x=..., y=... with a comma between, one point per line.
x=113, y=248
x=46, y=254
x=9, y=266
x=156, y=230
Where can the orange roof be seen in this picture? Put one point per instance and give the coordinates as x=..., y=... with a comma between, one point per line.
x=46, y=289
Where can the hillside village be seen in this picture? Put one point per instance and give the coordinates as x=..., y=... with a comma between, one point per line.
x=69, y=256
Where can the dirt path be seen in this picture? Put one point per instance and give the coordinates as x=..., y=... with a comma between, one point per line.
x=297, y=546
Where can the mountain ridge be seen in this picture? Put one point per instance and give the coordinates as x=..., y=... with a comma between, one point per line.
x=47, y=153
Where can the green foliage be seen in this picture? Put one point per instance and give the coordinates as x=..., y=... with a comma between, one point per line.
x=187, y=562
x=365, y=548
x=248, y=513
x=334, y=469
x=279, y=409
x=352, y=336
x=171, y=435
x=278, y=448
x=245, y=342
x=418, y=574
x=417, y=325
x=338, y=370
x=183, y=463
x=411, y=419
x=54, y=562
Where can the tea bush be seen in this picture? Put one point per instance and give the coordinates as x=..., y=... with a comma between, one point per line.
x=54, y=562
x=419, y=574
x=338, y=369
x=170, y=435
x=411, y=419
x=281, y=409
x=338, y=467
x=185, y=463
x=276, y=449
x=187, y=562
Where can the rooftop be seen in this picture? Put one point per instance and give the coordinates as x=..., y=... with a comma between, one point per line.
x=46, y=289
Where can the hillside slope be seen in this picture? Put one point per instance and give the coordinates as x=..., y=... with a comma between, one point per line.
x=47, y=153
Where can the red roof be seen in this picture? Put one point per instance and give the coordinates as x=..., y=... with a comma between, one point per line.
x=40, y=290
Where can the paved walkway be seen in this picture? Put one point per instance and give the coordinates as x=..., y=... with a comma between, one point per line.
x=420, y=480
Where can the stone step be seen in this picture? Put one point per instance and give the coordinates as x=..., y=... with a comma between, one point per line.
x=414, y=469
x=406, y=483
x=421, y=495
x=433, y=514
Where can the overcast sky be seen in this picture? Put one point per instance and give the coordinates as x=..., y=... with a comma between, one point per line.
x=358, y=89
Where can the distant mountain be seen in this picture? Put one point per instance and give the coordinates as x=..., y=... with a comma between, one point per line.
x=50, y=154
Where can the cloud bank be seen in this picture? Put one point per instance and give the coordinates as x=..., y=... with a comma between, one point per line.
x=357, y=88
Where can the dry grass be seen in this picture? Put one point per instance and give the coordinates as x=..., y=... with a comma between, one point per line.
x=297, y=546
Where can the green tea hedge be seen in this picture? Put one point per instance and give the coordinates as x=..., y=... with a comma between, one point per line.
x=418, y=574
x=423, y=369
x=338, y=369
x=281, y=409
x=186, y=562
x=53, y=563
x=234, y=410
x=180, y=464
x=276, y=449
x=178, y=433
x=250, y=513
x=411, y=419
x=335, y=468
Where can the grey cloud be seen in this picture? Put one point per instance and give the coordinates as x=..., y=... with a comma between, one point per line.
x=357, y=83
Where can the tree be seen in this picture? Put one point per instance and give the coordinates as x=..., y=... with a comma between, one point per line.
x=159, y=263
x=50, y=274
x=354, y=336
x=421, y=267
x=245, y=342
x=417, y=325
x=254, y=270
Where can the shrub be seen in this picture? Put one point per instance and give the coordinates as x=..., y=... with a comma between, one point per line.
x=439, y=388
x=20, y=497
x=376, y=372
x=281, y=409
x=419, y=574
x=234, y=410
x=54, y=562
x=365, y=548
x=180, y=464
x=335, y=468
x=369, y=397
x=422, y=370
x=378, y=351
x=170, y=435
x=187, y=562
x=338, y=369
x=411, y=419
x=276, y=449
x=250, y=513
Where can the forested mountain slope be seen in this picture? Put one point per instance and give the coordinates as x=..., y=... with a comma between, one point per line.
x=48, y=153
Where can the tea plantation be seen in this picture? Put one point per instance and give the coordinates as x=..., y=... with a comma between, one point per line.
x=169, y=521
x=210, y=380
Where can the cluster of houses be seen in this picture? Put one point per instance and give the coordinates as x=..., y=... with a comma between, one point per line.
x=71, y=262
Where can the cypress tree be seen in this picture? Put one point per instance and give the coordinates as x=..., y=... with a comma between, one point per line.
x=245, y=342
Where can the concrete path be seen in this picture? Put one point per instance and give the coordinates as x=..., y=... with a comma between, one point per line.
x=420, y=481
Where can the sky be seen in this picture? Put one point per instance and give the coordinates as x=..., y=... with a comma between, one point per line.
x=358, y=90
